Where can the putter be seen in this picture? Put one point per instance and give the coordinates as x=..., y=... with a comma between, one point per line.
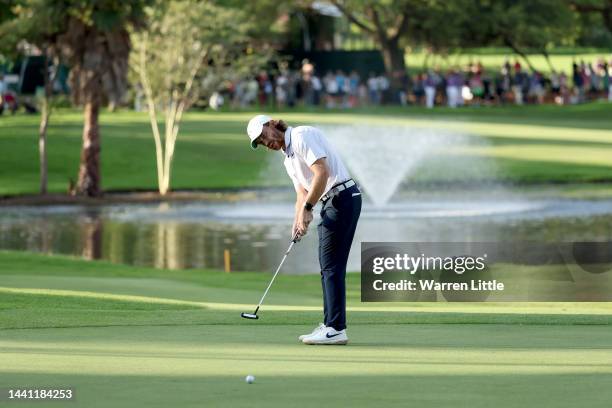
x=254, y=314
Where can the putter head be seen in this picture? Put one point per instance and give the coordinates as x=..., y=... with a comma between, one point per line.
x=249, y=316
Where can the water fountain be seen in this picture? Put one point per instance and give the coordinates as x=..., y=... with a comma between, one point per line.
x=382, y=157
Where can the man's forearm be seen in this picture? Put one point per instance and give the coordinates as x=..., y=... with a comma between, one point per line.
x=300, y=200
x=317, y=188
x=299, y=204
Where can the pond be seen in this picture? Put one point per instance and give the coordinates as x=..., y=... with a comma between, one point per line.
x=255, y=233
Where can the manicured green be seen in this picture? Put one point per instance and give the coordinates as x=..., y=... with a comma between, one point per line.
x=532, y=144
x=125, y=337
x=494, y=58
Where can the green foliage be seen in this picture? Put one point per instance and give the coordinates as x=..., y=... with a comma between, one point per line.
x=437, y=25
x=263, y=17
x=24, y=21
x=594, y=22
x=194, y=37
x=105, y=15
x=43, y=20
x=7, y=10
x=536, y=24
x=67, y=29
x=447, y=25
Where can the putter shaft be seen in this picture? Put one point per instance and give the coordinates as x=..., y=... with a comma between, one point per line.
x=274, y=277
x=248, y=316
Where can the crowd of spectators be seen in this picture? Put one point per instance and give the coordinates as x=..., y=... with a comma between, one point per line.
x=472, y=85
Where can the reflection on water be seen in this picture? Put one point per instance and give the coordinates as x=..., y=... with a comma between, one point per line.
x=97, y=234
x=195, y=235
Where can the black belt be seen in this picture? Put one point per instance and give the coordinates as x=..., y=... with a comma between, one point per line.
x=337, y=188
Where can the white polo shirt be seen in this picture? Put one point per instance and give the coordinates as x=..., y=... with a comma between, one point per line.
x=303, y=146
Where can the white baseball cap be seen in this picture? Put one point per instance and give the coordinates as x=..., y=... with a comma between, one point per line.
x=255, y=127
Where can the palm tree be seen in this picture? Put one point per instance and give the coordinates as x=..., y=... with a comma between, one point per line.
x=92, y=38
x=95, y=43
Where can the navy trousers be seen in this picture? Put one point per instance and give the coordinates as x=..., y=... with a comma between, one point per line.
x=339, y=217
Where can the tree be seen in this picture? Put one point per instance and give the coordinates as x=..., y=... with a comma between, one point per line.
x=187, y=51
x=92, y=38
x=21, y=30
x=602, y=8
x=393, y=24
x=385, y=22
x=438, y=26
x=595, y=21
x=95, y=41
x=522, y=25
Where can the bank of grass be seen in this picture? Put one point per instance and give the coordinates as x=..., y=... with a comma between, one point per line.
x=532, y=144
x=30, y=282
x=129, y=337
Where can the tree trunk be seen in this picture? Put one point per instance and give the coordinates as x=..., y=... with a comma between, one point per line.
x=170, y=139
x=393, y=56
x=395, y=66
x=89, y=168
x=42, y=145
x=518, y=51
x=42, y=130
x=547, y=57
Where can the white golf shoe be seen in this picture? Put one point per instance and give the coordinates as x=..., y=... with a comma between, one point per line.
x=327, y=335
x=319, y=327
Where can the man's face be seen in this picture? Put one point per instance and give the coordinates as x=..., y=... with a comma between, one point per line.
x=270, y=138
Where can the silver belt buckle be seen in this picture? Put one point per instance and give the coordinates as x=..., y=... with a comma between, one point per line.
x=336, y=190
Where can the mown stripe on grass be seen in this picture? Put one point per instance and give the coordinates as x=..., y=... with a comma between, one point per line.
x=489, y=308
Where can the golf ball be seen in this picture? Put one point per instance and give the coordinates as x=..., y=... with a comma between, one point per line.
x=249, y=379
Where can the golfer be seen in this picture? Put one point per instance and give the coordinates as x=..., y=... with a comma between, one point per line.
x=318, y=174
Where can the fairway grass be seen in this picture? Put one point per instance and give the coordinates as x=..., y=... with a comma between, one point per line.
x=128, y=337
x=523, y=145
x=384, y=365
x=493, y=59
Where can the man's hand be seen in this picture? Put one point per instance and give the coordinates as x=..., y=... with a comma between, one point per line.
x=303, y=219
x=294, y=234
